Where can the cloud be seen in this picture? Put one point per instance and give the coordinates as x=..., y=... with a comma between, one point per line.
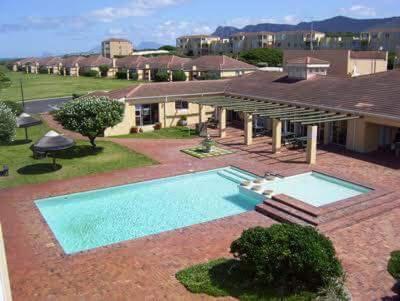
x=359, y=10
x=134, y=8
x=291, y=19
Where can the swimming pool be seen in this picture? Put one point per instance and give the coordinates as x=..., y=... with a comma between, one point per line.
x=87, y=220
x=313, y=188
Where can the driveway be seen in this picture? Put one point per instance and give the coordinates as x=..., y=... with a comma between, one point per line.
x=44, y=105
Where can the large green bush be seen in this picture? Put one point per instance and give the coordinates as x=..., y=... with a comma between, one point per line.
x=270, y=56
x=15, y=107
x=162, y=76
x=121, y=74
x=90, y=115
x=209, y=76
x=133, y=75
x=90, y=73
x=292, y=257
x=8, y=124
x=394, y=265
x=178, y=76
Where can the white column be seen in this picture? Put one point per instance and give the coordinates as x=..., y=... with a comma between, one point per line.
x=276, y=135
x=248, y=128
x=312, y=132
x=222, y=122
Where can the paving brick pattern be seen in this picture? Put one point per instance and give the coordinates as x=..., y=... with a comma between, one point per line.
x=144, y=269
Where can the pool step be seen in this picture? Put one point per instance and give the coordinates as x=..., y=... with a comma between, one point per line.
x=233, y=176
x=279, y=215
x=244, y=176
x=296, y=204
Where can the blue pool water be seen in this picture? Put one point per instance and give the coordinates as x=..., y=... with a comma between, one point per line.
x=97, y=218
x=315, y=188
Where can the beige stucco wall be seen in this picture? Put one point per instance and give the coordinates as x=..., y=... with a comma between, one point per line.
x=126, y=125
x=172, y=116
x=366, y=66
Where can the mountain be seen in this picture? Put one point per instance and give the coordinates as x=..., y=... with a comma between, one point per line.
x=335, y=24
x=148, y=45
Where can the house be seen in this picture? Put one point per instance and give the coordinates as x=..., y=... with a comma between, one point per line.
x=298, y=39
x=345, y=62
x=195, y=45
x=70, y=65
x=94, y=63
x=167, y=63
x=116, y=47
x=52, y=65
x=221, y=66
x=361, y=114
x=130, y=64
x=29, y=65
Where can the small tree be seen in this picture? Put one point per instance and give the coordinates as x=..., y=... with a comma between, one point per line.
x=90, y=116
x=271, y=56
x=8, y=124
x=288, y=256
x=178, y=76
x=391, y=60
x=5, y=82
x=394, y=265
x=104, y=70
x=162, y=76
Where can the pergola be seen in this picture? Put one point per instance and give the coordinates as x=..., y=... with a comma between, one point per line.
x=278, y=112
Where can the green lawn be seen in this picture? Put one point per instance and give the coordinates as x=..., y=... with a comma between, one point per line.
x=37, y=86
x=78, y=161
x=223, y=277
x=166, y=133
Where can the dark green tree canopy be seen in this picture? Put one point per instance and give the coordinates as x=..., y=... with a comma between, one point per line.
x=90, y=115
x=162, y=76
x=270, y=56
x=178, y=75
x=167, y=48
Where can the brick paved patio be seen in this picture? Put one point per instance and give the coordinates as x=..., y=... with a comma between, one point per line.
x=144, y=269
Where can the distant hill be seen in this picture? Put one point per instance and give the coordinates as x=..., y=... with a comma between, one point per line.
x=335, y=24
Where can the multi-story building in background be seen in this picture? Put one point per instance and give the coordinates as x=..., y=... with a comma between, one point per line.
x=243, y=41
x=382, y=39
x=116, y=47
x=299, y=39
x=196, y=45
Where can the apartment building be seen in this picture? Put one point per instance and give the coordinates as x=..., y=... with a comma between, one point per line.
x=243, y=41
x=382, y=39
x=196, y=45
x=116, y=47
x=299, y=39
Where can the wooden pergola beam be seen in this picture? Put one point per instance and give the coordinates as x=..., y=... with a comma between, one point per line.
x=287, y=112
x=306, y=118
x=310, y=113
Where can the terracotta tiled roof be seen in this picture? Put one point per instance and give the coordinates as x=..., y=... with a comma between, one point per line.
x=50, y=61
x=378, y=55
x=373, y=94
x=28, y=60
x=171, y=62
x=308, y=60
x=71, y=61
x=95, y=61
x=130, y=62
x=217, y=63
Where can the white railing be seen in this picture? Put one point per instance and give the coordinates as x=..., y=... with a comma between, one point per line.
x=5, y=290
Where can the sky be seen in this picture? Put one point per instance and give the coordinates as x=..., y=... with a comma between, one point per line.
x=53, y=27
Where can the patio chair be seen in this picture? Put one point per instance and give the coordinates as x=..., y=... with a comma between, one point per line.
x=212, y=123
x=5, y=171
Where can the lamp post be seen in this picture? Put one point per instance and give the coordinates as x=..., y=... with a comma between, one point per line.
x=22, y=93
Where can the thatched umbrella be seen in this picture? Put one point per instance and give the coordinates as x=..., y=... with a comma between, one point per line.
x=25, y=121
x=53, y=142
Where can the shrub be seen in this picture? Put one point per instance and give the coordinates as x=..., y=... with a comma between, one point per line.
x=162, y=76
x=394, y=265
x=104, y=70
x=90, y=73
x=288, y=256
x=158, y=126
x=178, y=76
x=8, y=124
x=121, y=74
x=15, y=107
x=43, y=70
x=90, y=115
x=77, y=95
x=5, y=82
x=133, y=75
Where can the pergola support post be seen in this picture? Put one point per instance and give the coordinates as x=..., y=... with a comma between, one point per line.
x=201, y=120
x=312, y=132
x=276, y=135
x=248, y=128
x=222, y=122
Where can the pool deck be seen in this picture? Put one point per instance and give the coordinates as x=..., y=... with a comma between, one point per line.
x=143, y=269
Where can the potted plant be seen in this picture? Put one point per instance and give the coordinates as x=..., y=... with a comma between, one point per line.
x=135, y=130
x=208, y=144
x=157, y=126
x=183, y=121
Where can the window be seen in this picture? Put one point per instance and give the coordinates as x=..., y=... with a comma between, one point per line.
x=181, y=105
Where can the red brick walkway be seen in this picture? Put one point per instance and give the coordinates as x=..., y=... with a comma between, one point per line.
x=144, y=269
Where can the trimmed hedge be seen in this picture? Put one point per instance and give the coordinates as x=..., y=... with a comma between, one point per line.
x=209, y=76
x=121, y=75
x=292, y=257
x=178, y=76
x=394, y=265
x=162, y=76
x=90, y=73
